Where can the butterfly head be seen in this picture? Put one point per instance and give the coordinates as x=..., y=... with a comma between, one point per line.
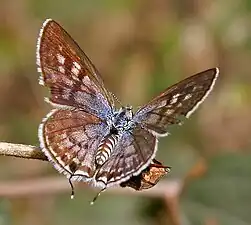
x=128, y=111
x=123, y=118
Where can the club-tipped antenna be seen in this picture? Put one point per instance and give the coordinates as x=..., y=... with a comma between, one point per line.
x=116, y=98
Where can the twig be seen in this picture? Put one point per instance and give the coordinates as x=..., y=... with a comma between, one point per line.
x=21, y=151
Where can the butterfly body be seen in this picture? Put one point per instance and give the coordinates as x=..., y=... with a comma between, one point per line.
x=85, y=137
x=105, y=148
x=121, y=122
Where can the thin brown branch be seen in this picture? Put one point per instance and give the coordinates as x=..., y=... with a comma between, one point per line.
x=21, y=151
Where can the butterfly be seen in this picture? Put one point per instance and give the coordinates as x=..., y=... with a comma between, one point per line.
x=85, y=136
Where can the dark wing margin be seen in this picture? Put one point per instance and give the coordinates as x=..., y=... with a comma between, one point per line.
x=181, y=99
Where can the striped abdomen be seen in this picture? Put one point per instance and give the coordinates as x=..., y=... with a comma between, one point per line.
x=105, y=148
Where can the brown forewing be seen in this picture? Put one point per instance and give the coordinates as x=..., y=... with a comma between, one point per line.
x=64, y=65
x=179, y=100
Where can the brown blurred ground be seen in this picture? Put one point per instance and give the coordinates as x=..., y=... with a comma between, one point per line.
x=143, y=46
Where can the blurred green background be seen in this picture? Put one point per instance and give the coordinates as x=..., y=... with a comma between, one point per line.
x=140, y=47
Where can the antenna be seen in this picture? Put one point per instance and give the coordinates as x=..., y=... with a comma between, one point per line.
x=116, y=98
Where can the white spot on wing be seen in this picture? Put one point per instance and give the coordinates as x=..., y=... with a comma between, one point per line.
x=75, y=71
x=61, y=69
x=176, y=96
x=61, y=59
x=77, y=65
x=173, y=100
x=187, y=96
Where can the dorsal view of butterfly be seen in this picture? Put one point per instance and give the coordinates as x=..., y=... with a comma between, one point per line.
x=85, y=136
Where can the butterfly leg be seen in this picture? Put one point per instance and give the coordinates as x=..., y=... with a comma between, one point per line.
x=72, y=187
x=97, y=195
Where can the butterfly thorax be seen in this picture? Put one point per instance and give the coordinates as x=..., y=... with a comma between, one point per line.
x=120, y=122
x=122, y=119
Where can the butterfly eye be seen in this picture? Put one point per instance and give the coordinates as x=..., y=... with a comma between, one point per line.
x=128, y=113
x=129, y=107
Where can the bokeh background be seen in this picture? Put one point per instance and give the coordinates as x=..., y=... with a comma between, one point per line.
x=140, y=47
